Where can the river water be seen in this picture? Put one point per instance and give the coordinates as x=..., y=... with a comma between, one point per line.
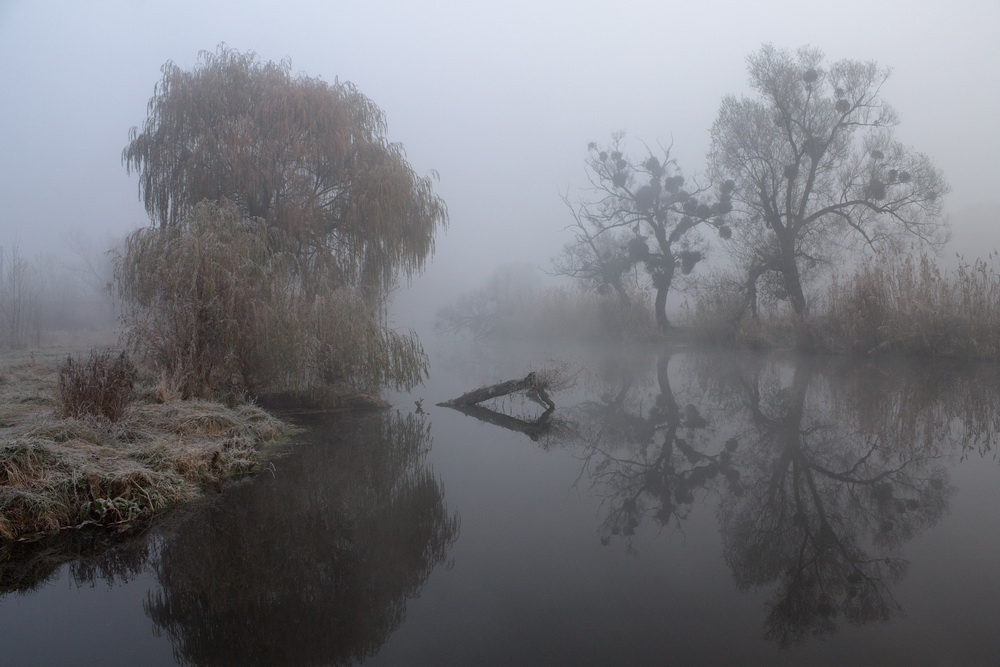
x=677, y=506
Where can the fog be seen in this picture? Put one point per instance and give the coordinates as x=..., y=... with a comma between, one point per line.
x=500, y=99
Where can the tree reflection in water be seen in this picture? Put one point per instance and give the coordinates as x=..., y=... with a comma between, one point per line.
x=825, y=504
x=648, y=461
x=315, y=564
x=824, y=471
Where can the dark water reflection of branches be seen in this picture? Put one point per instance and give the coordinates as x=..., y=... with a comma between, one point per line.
x=92, y=556
x=316, y=566
x=827, y=502
x=823, y=469
x=648, y=455
x=311, y=564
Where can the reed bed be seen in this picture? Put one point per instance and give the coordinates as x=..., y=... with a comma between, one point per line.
x=891, y=304
x=908, y=304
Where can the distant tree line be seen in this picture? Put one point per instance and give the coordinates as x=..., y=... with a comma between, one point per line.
x=49, y=295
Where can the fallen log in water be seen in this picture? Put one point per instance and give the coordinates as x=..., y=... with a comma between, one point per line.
x=533, y=429
x=533, y=384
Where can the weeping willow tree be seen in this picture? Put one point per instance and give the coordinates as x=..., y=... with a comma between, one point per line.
x=309, y=157
x=218, y=309
x=282, y=283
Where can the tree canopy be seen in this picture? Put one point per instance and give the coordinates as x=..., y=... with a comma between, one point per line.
x=817, y=168
x=641, y=213
x=307, y=156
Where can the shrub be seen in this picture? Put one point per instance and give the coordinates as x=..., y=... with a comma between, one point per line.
x=719, y=310
x=102, y=386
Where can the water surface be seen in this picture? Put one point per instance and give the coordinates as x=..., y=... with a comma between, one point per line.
x=677, y=506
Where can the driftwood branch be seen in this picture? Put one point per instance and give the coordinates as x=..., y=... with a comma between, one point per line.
x=532, y=384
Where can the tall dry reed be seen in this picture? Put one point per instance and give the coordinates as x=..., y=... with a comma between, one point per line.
x=908, y=304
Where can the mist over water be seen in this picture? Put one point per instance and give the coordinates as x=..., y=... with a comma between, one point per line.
x=677, y=505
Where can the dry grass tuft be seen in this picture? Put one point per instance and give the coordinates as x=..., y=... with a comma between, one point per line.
x=102, y=386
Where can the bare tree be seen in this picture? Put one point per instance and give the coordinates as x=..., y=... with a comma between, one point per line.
x=597, y=259
x=639, y=214
x=17, y=298
x=817, y=168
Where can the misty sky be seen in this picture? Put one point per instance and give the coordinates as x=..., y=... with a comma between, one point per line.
x=500, y=98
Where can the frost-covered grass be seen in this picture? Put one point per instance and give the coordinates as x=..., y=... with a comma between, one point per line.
x=58, y=473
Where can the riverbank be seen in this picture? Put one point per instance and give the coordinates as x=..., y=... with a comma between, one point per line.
x=65, y=473
x=898, y=304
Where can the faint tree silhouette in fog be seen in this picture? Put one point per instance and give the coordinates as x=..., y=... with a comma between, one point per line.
x=18, y=308
x=514, y=303
x=817, y=168
x=639, y=214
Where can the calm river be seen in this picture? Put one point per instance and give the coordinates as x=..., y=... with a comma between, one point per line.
x=677, y=507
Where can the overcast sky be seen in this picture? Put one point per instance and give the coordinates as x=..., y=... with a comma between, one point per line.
x=500, y=98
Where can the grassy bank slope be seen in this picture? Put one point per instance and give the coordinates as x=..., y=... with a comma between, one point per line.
x=59, y=473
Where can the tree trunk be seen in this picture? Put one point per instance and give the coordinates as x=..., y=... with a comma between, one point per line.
x=660, y=308
x=793, y=286
x=531, y=383
x=796, y=296
x=622, y=294
x=753, y=275
x=662, y=289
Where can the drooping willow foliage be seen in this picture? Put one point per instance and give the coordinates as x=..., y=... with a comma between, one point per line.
x=309, y=157
x=283, y=219
x=218, y=310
